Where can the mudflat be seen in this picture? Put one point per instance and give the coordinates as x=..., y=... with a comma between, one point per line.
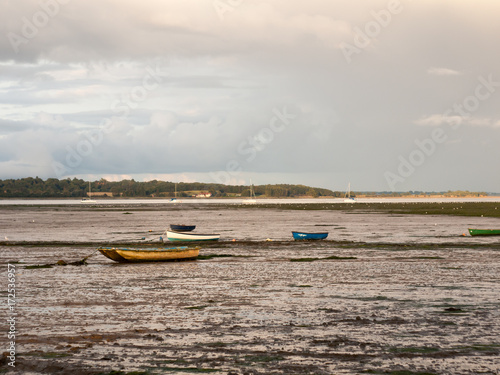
x=389, y=292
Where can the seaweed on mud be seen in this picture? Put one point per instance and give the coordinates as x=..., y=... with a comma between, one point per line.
x=82, y=262
x=475, y=209
x=413, y=349
x=45, y=355
x=299, y=286
x=303, y=259
x=339, y=258
x=333, y=257
x=38, y=266
x=390, y=246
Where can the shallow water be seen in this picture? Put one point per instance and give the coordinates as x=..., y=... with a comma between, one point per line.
x=407, y=293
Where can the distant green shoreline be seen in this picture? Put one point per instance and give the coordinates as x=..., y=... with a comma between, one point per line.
x=52, y=188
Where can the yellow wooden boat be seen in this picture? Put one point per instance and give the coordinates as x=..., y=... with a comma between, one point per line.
x=134, y=255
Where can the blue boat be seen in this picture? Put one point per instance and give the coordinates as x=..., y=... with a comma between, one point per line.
x=309, y=236
x=182, y=227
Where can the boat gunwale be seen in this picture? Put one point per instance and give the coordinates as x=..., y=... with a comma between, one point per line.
x=294, y=231
x=188, y=227
x=152, y=249
x=126, y=255
x=193, y=234
x=484, y=232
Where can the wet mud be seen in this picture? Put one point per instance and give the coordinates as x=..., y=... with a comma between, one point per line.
x=384, y=295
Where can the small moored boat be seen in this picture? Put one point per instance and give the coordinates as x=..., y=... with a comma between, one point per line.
x=309, y=236
x=484, y=232
x=347, y=197
x=182, y=227
x=133, y=255
x=89, y=199
x=183, y=236
x=253, y=198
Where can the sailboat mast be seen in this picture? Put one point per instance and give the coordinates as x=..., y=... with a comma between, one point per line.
x=348, y=192
x=252, y=193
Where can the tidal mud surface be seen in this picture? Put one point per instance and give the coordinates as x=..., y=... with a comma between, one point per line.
x=387, y=294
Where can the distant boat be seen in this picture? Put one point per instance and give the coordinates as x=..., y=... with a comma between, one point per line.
x=309, y=236
x=347, y=197
x=182, y=227
x=133, y=255
x=89, y=199
x=183, y=236
x=253, y=198
x=175, y=200
x=484, y=232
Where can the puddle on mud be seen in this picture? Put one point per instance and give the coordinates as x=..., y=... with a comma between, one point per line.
x=377, y=309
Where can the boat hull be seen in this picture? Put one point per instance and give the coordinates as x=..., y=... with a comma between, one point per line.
x=309, y=236
x=182, y=227
x=484, y=232
x=131, y=255
x=183, y=236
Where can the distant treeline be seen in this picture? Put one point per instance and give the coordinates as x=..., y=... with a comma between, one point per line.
x=76, y=188
x=53, y=188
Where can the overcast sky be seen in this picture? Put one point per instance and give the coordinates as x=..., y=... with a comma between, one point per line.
x=387, y=95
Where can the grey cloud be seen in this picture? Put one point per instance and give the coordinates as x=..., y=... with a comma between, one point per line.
x=220, y=80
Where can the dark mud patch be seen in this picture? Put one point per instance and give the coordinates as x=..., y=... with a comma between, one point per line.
x=333, y=257
x=82, y=262
x=37, y=266
x=212, y=256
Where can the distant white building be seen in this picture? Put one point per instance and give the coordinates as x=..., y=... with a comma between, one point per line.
x=204, y=195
